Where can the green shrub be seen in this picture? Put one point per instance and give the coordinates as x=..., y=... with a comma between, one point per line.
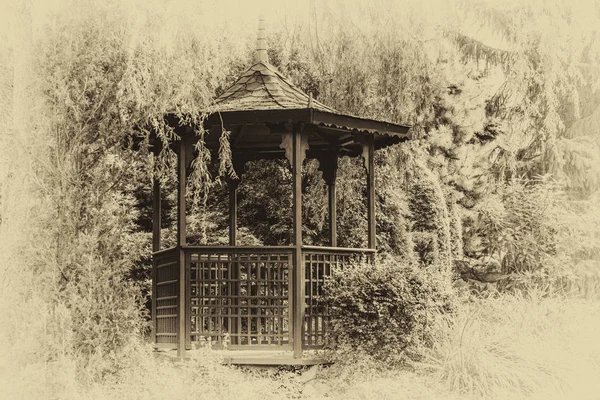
x=383, y=311
x=429, y=211
x=518, y=227
x=426, y=247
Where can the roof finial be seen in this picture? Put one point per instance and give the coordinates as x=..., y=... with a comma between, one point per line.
x=261, y=42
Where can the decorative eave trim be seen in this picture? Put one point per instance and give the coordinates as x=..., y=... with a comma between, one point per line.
x=358, y=124
x=349, y=123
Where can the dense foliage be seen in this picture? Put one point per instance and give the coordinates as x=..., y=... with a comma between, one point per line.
x=385, y=311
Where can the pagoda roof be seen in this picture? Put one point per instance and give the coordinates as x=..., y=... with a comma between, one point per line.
x=262, y=87
x=263, y=95
x=262, y=103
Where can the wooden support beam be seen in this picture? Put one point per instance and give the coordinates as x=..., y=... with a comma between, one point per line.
x=370, y=164
x=298, y=272
x=344, y=140
x=328, y=161
x=239, y=167
x=181, y=194
x=239, y=136
x=233, y=185
x=156, y=209
x=332, y=215
x=182, y=294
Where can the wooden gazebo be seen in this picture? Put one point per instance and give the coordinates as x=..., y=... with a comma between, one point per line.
x=263, y=297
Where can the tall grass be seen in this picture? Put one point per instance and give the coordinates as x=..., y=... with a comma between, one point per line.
x=515, y=346
x=530, y=345
x=202, y=377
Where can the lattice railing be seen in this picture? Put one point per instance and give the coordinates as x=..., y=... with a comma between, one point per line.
x=240, y=295
x=165, y=289
x=320, y=264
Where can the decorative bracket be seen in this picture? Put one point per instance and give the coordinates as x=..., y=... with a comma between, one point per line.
x=364, y=142
x=328, y=166
x=287, y=143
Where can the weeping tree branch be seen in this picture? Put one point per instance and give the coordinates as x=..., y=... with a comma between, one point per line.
x=475, y=50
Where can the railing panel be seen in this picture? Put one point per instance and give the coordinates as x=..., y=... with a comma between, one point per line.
x=240, y=295
x=320, y=264
x=165, y=291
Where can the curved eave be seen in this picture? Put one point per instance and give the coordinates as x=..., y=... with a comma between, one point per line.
x=358, y=124
x=326, y=119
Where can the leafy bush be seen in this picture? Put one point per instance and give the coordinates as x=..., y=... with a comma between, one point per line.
x=384, y=310
x=426, y=247
x=393, y=214
x=521, y=233
x=429, y=212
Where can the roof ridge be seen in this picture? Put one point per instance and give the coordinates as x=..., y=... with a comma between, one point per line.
x=269, y=92
x=278, y=93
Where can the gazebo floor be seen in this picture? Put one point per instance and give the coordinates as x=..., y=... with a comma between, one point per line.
x=271, y=358
x=266, y=358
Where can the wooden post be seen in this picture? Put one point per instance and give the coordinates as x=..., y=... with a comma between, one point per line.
x=239, y=163
x=181, y=192
x=156, y=209
x=371, y=192
x=332, y=215
x=298, y=275
x=235, y=272
x=328, y=161
x=233, y=185
x=181, y=240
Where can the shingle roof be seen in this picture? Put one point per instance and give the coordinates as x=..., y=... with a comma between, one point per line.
x=262, y=103
x=262, y=87
x=262, y=96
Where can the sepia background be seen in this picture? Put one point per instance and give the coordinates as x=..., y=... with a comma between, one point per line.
x=495, y=203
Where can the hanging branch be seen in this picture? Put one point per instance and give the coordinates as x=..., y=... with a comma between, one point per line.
x=474, y=50
x=200, y=181
x=225, y=156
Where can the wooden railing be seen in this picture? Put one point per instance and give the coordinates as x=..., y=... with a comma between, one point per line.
x=241, y=297
x=321, y=263
x=165, y=297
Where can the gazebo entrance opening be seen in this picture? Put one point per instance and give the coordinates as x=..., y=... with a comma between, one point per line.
x=245, y=297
